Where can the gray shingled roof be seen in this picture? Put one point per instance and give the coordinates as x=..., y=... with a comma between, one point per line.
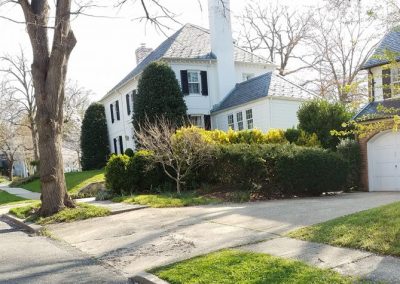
x=268, y=84
x=391, y=42
x=371, y=111
x=190, y=42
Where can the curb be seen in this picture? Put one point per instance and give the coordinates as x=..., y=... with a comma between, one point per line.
x=146, y=278
x=116, y=212
x=28, y=227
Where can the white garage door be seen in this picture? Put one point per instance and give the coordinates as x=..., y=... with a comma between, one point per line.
x=384, y=162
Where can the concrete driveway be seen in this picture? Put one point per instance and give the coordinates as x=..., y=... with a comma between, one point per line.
x=35, y=259
x=141, y=240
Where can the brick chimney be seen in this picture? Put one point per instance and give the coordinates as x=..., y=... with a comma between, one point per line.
x=142, y=52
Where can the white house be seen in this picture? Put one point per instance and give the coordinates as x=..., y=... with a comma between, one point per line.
x=381, y=150
x=224, y=85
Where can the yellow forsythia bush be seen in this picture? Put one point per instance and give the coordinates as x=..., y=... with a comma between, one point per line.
x=254, y=136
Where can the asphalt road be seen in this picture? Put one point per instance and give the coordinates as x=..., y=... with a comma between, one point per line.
x=35, y=259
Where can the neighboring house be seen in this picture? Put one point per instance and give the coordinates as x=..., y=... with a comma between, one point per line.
x=224, y=85
x=381, y=150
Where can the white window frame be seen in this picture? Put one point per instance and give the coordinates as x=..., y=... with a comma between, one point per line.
x=192, y=82
x=395, y=81
x=231, y=124
x=249, y=118
x=239, y=122
x=200, y=117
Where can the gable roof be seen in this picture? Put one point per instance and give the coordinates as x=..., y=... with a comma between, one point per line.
x=391, y=42
x=190, y=42
x=371, y=111
x=268, y=84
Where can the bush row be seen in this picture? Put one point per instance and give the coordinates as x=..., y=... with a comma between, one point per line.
x=128, y=175
x=273, y=169
x=256, y=136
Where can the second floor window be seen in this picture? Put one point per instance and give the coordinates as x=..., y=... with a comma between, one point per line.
x=395, y=78
x=112, y=113
x=128, y=104
x=117, y=110
x=194, y=82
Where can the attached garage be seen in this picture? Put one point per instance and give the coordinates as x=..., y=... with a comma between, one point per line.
x=384, y=162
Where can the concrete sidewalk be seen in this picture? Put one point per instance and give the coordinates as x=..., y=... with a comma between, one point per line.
x=343, y=260
x=21, y=192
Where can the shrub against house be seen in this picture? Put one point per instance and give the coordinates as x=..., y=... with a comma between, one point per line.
x=249, y=161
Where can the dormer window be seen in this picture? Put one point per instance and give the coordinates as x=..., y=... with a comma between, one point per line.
x=395, y=80
x=247, y=76
x=194, y=82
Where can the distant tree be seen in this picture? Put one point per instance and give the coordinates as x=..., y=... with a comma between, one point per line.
x=321, y=117
x=279, y=30
x=94, y=138
x=159, y=95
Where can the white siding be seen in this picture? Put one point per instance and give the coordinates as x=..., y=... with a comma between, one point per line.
x=267, y=113
x=283, y=113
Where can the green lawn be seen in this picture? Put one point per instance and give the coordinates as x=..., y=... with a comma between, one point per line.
x=376, y=230
x=81, y=212
x=7, y=198
x=166, y=200
x=231, y=266
x=75, y=181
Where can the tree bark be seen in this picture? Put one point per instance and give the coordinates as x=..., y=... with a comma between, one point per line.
x=10, y=170
x=49, y=71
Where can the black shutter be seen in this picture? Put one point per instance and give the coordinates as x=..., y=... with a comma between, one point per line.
x=121, y=145
x=115, y=146
x=185, y=82
x=117, y=110
x=207, y=122
x=128, y=103
x=204, y=83
x=112, y=113
x=386, y=83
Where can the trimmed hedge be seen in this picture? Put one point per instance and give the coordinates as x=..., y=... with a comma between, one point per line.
x=128, y=175
x=266, y=163
x=279, y=169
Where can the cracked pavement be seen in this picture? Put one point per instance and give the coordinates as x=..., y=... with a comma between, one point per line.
x=140, y=240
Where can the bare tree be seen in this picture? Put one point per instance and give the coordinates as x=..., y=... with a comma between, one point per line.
x=179, y=154
x=46, y=21
x=342, y=41
x=13, y=138
x=19, y=80
x=276, y=29
x=77, y=100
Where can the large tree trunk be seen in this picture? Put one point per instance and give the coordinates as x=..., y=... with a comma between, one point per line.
x=49, y=71
x=10, y=170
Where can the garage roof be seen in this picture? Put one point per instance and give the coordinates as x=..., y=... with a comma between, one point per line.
x=373, y=110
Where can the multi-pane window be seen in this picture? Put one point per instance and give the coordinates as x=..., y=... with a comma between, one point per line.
x=194, y=82
x=196, y=120
x=395, y=78
x=249, y=118
x=231, y=123
x=239, y=119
